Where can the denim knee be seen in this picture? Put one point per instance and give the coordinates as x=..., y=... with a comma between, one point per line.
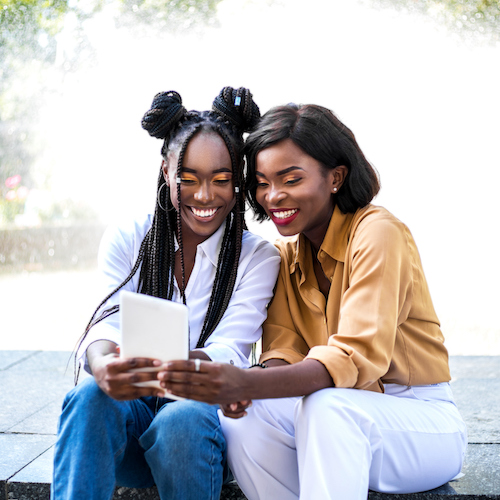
x=181, y=425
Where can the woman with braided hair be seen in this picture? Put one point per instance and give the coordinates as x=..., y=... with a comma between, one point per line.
x=194, y=249
x=353, y=391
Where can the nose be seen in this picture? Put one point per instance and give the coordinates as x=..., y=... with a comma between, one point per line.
x=274, y=195
x=205, y=193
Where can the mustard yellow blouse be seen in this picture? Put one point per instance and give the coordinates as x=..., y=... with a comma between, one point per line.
x=378, y=324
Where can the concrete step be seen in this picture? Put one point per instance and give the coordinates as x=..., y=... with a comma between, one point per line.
x=33, y=384
x=481, y=479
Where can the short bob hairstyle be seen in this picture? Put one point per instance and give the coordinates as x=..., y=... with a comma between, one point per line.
x=320, y=134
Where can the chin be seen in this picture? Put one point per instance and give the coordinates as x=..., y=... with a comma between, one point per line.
x=285, y=231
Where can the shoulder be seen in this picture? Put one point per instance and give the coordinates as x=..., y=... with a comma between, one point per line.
x=258, y=255
x=375, y=229
x=253, y=243
x=258, y=265
x=376, y=221
x=374, y=213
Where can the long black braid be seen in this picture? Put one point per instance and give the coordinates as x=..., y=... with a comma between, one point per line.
x=233, y=113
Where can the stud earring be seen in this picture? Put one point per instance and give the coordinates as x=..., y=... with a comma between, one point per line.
x=334, y=190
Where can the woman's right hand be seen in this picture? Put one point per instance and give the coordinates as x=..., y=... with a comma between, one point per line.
x=112, y=373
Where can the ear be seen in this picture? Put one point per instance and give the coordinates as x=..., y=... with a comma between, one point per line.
x=164, y=167
x=339, y=174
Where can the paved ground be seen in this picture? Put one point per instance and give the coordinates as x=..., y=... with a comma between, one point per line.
x=33, y=384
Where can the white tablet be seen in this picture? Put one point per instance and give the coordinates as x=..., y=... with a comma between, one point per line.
x=153, y=328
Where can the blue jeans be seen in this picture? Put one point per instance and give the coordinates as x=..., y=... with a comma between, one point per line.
x=177, y=445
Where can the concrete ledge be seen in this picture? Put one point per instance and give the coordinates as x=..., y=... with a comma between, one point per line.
x=481, y=480
x=33, y=385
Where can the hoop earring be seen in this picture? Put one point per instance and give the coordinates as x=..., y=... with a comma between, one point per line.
x=158, y=199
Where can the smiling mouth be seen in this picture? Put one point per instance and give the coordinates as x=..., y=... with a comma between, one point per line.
x=204, y=213
x=284, y=217
x=285, y=214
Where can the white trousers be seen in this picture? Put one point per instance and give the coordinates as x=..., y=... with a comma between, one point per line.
x=338, y=443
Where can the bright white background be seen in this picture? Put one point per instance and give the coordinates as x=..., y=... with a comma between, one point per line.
x=422, y=101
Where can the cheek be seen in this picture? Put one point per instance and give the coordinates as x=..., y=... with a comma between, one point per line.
x=259, y=197
x=231, y=200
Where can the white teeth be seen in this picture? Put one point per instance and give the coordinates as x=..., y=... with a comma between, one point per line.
x=203, y=213
x=285, y=214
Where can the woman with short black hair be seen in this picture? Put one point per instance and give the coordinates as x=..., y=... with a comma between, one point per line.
x=352, y=391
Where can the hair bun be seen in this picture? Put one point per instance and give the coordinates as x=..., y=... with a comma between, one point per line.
x=238, y=107
x=165, y=113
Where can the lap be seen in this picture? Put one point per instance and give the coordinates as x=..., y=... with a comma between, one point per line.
x=429, y=408
x=408, y=433
x=426, y=409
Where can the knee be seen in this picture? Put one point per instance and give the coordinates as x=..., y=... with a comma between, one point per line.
x=187, y=416
x=183, y=425
x=332, y=400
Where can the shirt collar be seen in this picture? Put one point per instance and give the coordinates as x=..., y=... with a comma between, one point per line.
x=334, y=244
x=211, y=246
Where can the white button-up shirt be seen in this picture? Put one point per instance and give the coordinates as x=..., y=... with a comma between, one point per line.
x=241, y=325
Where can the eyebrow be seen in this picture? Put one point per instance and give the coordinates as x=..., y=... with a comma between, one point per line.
x=281, y=172
x=216, y=171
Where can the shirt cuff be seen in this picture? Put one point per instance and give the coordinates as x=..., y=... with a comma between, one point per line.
x=288, y=355
x=222, y=353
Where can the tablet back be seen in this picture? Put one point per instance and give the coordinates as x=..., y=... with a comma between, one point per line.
x=153, y=327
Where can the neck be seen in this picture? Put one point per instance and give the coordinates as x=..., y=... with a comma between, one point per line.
x=317, y=235
x=190, y=240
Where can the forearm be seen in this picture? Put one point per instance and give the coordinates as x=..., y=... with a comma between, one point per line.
x=284, y=380
x=220, y=383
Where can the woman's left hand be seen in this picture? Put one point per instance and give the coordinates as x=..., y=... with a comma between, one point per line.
x=213, y=383
x=236, y=410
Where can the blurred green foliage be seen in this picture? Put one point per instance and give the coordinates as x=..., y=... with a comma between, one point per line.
x=28, y=45
x=29, y=31
x=477, y=18
x=33, y=67
x=173, y=15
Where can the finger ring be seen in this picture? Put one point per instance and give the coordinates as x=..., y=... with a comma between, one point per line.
x=197, y=364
